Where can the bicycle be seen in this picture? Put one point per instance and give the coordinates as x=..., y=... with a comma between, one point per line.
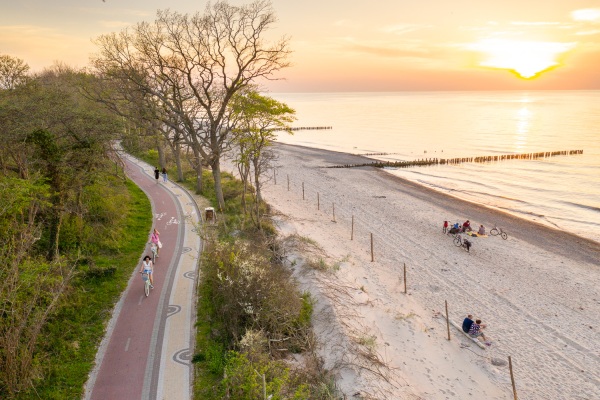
x=495, y=231
x=465, y=244
x=146, y=279
x=154, y=250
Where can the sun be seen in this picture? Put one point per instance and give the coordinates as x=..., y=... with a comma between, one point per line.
x=526, y=59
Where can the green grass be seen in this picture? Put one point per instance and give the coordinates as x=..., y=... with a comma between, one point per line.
x=72, y=336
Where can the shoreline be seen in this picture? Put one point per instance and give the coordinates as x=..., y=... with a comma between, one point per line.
x=537, y=291
x=525, y=228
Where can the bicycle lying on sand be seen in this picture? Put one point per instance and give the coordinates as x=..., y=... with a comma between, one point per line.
x=464, y=243
x=495, y=231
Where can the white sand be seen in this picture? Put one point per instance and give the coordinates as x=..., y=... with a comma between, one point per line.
x=538, y=291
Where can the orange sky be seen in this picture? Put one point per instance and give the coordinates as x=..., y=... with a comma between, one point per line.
x=343, y=45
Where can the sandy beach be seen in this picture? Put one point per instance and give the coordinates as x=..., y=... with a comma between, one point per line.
x=538, y=291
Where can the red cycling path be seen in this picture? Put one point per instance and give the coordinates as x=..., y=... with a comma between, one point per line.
x=149, y=341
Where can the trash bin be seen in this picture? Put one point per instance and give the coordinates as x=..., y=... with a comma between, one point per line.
x=209, y=214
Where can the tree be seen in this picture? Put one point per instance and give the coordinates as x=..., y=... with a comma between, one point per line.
x=13, y=71
x=256, y=120
x=205, y=59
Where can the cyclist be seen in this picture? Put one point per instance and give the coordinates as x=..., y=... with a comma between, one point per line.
x=155, y=238
x=146, y=268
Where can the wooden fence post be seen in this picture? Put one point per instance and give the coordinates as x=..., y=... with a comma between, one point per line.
x=333, y=211
x=318, y=202
x=372, y=255
x=352, y=231
x=512, y=378
x=274, y=176
x=302, y=190
x=288, y=178
x=447, y=320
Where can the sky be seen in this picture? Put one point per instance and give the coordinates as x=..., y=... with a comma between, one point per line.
x=357, y=45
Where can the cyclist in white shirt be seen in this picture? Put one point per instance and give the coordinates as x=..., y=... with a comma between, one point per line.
x=146, y=268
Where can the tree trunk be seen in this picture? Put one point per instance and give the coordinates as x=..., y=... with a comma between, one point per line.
x=161, y=154
x=255, y=163
x=177, y=153
x=198, y=168
x=216, y=171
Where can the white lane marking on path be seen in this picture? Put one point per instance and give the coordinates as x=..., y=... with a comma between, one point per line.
x=127, y=344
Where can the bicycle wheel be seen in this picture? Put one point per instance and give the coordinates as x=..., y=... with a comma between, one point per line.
x=494, y=231
x=504, y=235
x=458, y=241
x=153, y=257
x=146, y=284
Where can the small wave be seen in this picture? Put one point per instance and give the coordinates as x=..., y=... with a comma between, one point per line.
x=582, y=206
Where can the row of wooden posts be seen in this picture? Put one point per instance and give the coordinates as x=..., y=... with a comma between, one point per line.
x=310, y=128
x=404, y=269
x=460, y=160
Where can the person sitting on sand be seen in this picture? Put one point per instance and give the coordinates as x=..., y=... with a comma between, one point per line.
x=466, y=226
x=476, y=330
x=455, y=229
x=467, y=323
x=481, y=230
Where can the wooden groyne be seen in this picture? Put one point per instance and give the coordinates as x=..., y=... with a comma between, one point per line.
x=454, y=161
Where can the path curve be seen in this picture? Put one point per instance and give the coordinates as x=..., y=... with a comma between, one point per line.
x=147, y=348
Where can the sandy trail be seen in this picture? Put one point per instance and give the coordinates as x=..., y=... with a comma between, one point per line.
x=537, y=291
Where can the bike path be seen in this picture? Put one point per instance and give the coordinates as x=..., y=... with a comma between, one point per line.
x=146, y=352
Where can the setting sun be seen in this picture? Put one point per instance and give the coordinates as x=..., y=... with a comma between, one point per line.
x=527, y=59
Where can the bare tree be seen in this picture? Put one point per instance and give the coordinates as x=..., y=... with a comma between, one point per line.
x=206, y=58
x=13, y=71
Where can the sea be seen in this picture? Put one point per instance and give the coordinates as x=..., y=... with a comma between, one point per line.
x=561, y=191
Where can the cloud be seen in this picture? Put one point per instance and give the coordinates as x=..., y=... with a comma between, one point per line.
x=400, y=29
x=586, y=14
x=534, y=23
x=384, y=49
x=115, y=24
x=588, y=33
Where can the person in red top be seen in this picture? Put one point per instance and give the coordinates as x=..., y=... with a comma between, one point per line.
x=445, y=228
x=466, y=226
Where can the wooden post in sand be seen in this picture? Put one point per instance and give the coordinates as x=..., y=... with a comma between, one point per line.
x=288, y=183
x=512, y=378
x=274, y=176
x=447, y=320
x=404, y=278
x=352, y=231
x=318, y=201
x=302, y=190
x=372, y=255
x=333, y=212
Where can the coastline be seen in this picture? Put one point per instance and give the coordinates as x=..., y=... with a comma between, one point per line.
x=537, y=290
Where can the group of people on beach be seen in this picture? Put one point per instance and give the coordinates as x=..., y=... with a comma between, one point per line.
x=474, y=328
x=465, y=227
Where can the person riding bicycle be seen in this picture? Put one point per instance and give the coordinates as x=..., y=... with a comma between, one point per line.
x=155, y=238
x=146, y=268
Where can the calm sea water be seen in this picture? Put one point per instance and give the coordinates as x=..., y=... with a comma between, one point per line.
x=562, y=192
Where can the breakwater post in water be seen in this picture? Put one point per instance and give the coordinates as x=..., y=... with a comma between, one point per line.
x=461, y=160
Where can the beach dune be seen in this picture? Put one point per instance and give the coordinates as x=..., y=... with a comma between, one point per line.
x=537, y=291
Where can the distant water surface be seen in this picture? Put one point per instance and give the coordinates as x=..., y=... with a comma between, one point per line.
x=562, y=192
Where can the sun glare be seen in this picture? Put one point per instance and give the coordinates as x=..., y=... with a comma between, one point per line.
x=527, y=59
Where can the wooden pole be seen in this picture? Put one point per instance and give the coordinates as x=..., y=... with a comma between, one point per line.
x=333, y=211
x=372, y=255
x=274, y=176
x=302, y=190
x=288, y=178
x=404, y=278
x=318, y=201
x=512, y=378
x=352, y=231
x=447, y=320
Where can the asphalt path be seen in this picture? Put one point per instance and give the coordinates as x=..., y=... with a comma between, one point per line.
x=149, y=341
